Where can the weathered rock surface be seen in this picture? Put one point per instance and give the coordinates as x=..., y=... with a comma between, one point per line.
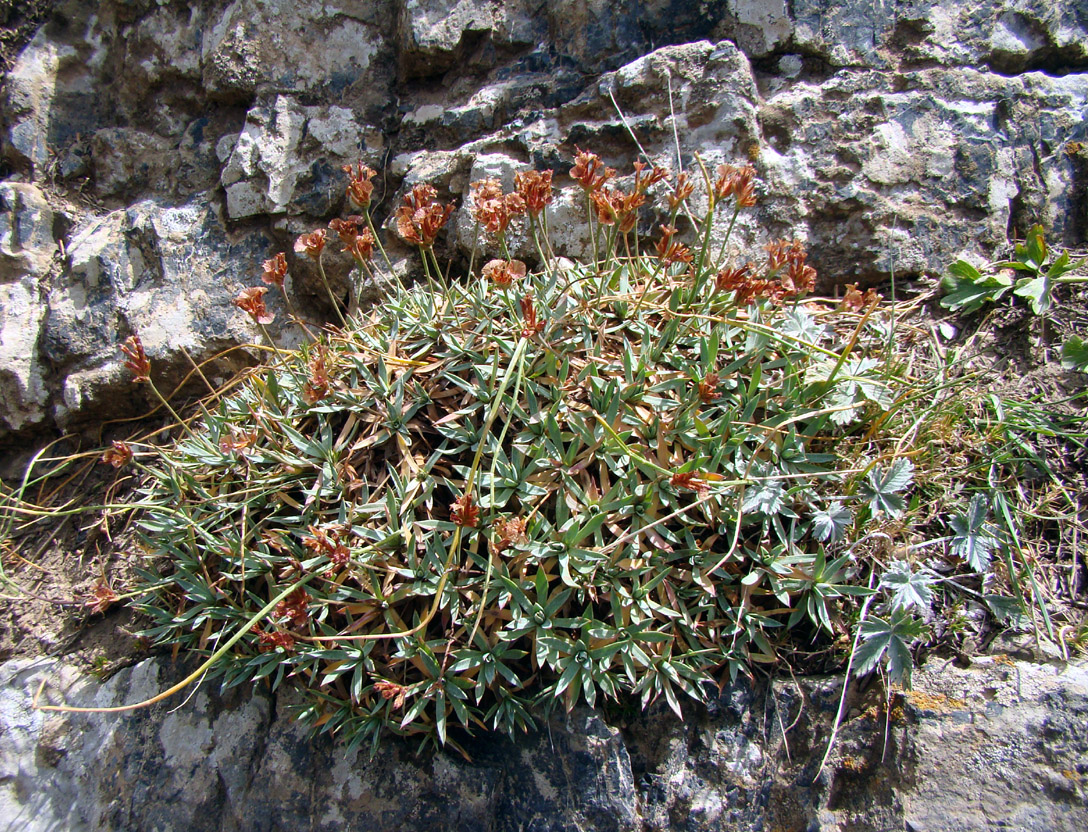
x=1000, y=745
x=27, y=249
x=888, y=136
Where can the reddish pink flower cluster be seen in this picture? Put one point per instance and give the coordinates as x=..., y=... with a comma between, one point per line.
x=311, y=244
x=317, y=385
x=464, y=512
x=535, y=188
x=503, y=273
x=855, y=300
x=670, y=251
x=327, y=542
x=736, y=182
x=118, y=456
x=295, y=607
x=421, y=216
x=275, y=270
x=356, y=236
x=251, y=300
x=528, y=313
x=360, y=187
x=493, y=209
x=270, y=641
x=137, y=361
x=589, y=171
x=786, y=276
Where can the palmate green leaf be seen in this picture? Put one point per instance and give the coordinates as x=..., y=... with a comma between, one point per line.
x=765, y=496
x=1075, y=354
x=1037, y=291
x=857, y=381
x=881, y=488
x=910, y=590
x=975, y=540
x=967, y=290
x=888, y=638
x=830, y=524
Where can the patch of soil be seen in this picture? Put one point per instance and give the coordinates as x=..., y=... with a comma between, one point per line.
x=67, y=566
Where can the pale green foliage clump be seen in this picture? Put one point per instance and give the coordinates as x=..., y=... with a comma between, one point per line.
x=630, y=478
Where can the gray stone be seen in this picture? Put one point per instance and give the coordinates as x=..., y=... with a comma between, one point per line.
x=997, y=745
x=288, y=158
x=27, y=251
x=125, y=160
x=267, y=46
x=165, y=273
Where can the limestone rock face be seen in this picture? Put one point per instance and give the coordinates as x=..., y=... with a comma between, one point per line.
x=887, y=137
x=27, y=250
x=993, y=746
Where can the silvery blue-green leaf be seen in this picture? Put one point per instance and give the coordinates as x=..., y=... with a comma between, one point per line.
x=764, y=496
x=888, y=638
x=876, y=391
x=830, y=524
x=975, y=540
x=909, y=589
x=800, y=324
x=881, y=487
